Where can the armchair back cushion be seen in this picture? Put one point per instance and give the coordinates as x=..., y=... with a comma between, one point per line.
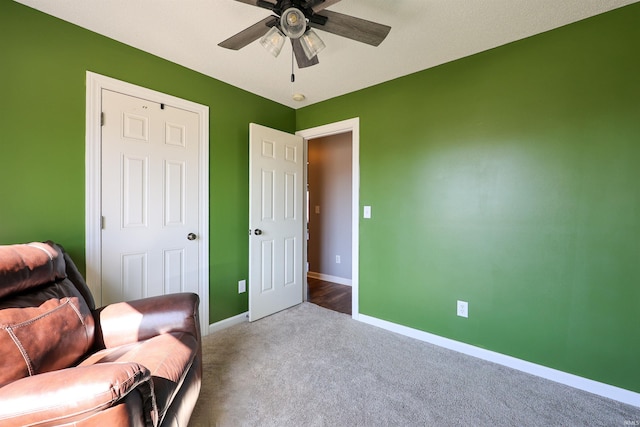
x=45, y=323
x=25, y=266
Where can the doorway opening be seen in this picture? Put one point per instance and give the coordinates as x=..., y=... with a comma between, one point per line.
x=329, y=227
x=333, y=181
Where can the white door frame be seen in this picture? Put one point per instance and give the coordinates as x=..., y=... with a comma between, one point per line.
x=93, y=189
x=353, y=126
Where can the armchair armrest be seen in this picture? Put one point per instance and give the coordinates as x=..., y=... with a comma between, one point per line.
x=129, y=322
x=70, y=395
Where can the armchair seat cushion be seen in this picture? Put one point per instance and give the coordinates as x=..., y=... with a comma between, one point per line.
x=69, y=395
x=168, y=357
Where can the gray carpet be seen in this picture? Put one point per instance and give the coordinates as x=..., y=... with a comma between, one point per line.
x=309, y=366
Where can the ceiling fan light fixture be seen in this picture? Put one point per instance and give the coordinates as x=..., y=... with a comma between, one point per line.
x=293, y=22
x=273, y=41
x=311, y=44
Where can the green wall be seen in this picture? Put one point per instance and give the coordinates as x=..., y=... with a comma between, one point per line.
x=509, y=179
x=43, y=66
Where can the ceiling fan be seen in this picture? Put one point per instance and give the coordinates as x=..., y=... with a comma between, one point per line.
x=296, y=19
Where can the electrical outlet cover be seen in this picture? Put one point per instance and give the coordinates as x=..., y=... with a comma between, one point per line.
x=463, y=309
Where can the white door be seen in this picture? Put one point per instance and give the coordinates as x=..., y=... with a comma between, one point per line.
x=150, y=210
x=276, y=221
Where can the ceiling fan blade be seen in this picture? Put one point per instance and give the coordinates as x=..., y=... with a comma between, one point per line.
x=255, y=2
x=250, y=34
x=353, y=28
x=323, y=4
x=301, y=58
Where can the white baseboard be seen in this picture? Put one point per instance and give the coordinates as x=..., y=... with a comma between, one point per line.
x=328, y=278
x=591, y=386
x=224, y=324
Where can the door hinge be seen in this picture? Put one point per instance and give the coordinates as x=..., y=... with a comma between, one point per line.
x=101, y=119
x=101, y=223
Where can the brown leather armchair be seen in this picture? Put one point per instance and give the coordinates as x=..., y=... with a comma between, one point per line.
x=66, y=362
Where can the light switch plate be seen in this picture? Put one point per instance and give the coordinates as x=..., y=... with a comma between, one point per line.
x=367, y=212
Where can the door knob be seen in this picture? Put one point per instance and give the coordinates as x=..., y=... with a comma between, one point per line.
x=191, y=236
x=257, y=232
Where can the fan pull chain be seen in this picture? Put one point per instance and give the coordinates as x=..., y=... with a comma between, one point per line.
x=293, y=76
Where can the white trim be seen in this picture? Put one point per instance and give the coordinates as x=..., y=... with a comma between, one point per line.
x=329, y=278
x=231, y=321
x=353, y=126
x=581, y=383
x=95, y=84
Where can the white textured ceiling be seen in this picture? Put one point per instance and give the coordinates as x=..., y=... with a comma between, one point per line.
x=424, y=33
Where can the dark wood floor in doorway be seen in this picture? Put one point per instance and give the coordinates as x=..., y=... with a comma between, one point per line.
x=330, y=295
